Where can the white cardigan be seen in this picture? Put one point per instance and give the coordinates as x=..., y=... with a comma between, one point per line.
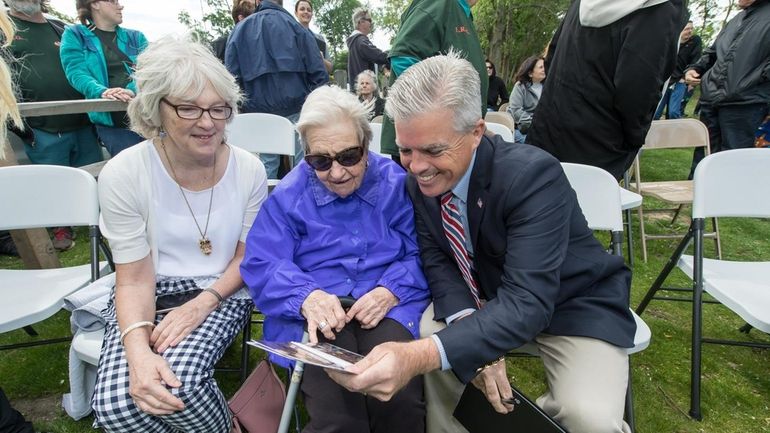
x=125, y=188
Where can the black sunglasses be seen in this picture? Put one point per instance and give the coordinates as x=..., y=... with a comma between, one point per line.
x=346, y=158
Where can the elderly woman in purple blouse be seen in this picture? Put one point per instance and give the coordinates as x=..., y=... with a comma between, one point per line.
x=340, y=224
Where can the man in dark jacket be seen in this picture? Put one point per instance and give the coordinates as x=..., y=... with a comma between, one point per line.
x=734, y=74
x=276, y=63
x=606, y=66
x=689, y=52
x=362, y=54
x=241, y=9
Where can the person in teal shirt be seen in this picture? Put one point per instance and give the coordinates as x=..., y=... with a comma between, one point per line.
x=98, y=56
x=429, y=28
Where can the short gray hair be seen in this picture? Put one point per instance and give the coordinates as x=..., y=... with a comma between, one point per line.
x=178, y=67
x=329, y=104
x=439, y=82
x=358, y=15
x=370, y=74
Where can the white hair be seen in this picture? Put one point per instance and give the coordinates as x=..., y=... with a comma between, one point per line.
x=370, y=74
x=358, y=15
x=438, y=83
x=178, y=67
x=328, y=105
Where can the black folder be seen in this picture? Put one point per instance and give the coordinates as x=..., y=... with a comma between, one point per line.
x=478, y=416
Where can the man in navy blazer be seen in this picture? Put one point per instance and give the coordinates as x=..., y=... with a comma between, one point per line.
x=541, y=276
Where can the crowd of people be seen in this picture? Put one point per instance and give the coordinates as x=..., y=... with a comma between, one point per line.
x=456, y=245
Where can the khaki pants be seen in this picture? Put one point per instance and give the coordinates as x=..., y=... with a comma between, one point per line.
x=587, y=381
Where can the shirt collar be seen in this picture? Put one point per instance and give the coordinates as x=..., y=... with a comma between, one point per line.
x=466, y=7
x=461, y=189
x=366, y=192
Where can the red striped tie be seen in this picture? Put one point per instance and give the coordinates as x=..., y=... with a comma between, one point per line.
x=453, y=228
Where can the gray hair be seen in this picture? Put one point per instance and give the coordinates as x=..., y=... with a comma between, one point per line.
x=327, y=105
x=178, y=67
x=370, y=74
x=436, y=83
x=358, y=15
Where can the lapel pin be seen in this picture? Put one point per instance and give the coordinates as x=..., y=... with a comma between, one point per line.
x=480, y=203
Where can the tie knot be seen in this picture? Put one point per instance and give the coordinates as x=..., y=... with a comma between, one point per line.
x=446, y=197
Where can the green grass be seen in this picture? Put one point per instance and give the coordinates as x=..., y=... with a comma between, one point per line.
x=736, y=386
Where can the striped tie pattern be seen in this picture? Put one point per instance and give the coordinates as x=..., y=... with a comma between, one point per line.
x=453, y=228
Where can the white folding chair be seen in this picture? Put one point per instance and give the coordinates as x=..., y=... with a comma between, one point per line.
x=726, y=184
x=599, y=197
x=374, y=145
x=262, y=133
x=36, y=196
x=500, y=130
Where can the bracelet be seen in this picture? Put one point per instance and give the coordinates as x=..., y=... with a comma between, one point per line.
x=134, y=327
x=485, y=366
x=219, y=297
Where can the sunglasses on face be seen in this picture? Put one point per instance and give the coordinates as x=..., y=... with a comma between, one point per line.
x=346, y=158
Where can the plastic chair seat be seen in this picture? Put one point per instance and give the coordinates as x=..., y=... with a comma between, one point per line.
x=629, y=199
x=30, y=296
x=675, y=191
x=501, y=130
x=741, y=286
x=642, y=336
x=88, y=346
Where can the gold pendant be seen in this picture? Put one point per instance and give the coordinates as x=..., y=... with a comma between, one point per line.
x=205, y=245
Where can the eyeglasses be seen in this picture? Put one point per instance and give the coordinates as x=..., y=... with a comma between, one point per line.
x=346, y=158
x=366, y=19
x=194, y=112
x=489, y=67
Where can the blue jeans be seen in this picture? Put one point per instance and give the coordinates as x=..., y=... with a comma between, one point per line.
x=272, y=162
x=730, y=127
x=673, y=99
x=117, y=139
x=73, y=149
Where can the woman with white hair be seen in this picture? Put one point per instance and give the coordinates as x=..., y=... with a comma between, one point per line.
x=366, y=89
x=340, y=224
x=176, y=209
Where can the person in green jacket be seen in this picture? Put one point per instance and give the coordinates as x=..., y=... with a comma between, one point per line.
x=98, y=56
x=429, y=28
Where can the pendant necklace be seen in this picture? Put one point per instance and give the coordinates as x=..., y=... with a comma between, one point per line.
x=203, y=243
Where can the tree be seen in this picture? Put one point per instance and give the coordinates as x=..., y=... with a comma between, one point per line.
x=388, y=17
x=333, y=17
x=512, y=30
x=216, y=21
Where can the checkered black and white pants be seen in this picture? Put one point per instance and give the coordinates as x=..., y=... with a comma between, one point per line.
x=192, y=361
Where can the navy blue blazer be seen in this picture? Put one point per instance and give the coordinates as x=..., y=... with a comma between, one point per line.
x=535, y=259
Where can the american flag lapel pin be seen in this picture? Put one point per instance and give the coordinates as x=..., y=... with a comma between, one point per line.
x=480, y=203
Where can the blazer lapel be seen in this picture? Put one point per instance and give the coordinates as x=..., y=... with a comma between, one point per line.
x=433, y=206
x=478, y=188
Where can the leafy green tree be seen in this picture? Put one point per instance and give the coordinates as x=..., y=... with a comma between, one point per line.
x=333, y=17
x=388, y=17
x=216, y=21
x=512, y=30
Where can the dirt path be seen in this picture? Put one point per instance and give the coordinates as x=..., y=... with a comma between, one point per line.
x=43, y=409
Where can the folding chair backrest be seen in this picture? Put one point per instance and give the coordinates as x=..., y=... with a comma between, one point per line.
x=501, y=117
x=733, y=183
x=47, y=196
x=262, y=133
x=598, y=194
x=501, y=130
x=374, y=145
x=677, y=133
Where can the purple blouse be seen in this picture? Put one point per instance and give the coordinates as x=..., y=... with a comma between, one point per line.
x=305, y=238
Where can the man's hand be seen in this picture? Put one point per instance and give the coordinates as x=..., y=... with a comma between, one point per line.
x=691, y=77
x=389, y=367
x=371, y=308
x=493, y=382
